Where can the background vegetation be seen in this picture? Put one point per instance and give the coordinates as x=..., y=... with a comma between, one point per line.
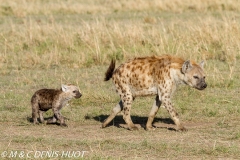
x=44, y=43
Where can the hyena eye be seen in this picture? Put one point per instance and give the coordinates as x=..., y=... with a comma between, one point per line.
x=74, y=91
x=195, y=77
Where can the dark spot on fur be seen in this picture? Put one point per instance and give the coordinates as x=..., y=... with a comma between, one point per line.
x=133, y=69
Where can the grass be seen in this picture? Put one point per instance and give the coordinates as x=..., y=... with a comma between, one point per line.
x=44, y=44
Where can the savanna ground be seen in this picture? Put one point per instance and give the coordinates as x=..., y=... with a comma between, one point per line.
x=46, y=43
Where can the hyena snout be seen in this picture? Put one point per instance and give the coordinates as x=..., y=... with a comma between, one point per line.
x=202, y=85
x=78, y=95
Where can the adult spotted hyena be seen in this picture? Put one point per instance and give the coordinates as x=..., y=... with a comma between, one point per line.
x=45, y=99
x=153, y=76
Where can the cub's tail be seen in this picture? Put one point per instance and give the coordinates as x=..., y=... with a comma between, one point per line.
x=109, y=72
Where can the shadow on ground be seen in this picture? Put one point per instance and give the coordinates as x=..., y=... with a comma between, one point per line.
x=119, y=122
x=29, y=119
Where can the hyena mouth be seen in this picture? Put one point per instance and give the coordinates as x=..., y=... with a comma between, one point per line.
x=201, y=87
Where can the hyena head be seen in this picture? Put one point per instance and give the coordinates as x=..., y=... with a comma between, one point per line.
x=71, y=90
x=194, y=75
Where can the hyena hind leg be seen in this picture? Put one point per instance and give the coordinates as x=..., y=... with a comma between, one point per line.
x=115, y=111
x=127, y=102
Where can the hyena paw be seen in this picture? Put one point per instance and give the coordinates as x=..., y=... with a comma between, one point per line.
x=36, y=122
x=63, y=125
x=51, y=121
x=65, y=118
x=103, y=125
x=134, y=127
x=42, y=121
x=182, y=129
x=150, y=128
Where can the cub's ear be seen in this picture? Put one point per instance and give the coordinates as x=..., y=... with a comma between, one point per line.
x=187, y=65
x=64, y=88
x=201, y=64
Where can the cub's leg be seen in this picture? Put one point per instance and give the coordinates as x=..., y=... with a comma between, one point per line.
x=35, y=110
x=115, y=111
x=41, y=116
x=59, y=116
x=153, y=112
x=52, y=120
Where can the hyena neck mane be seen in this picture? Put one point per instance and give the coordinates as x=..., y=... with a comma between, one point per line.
x=177, y=63
x=65, y=96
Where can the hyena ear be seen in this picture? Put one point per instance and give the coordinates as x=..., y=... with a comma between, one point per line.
x=201, y=64
x=187, y=65
x=64, y=88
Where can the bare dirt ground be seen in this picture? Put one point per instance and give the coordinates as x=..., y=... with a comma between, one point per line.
x=202, y=140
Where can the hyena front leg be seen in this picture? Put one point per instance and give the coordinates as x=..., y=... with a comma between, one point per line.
x=115, y=111
x=153, y=112
x=169, y=106
x=59, y=116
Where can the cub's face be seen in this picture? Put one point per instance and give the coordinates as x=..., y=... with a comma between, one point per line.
x=73, y=91
x=194, y=75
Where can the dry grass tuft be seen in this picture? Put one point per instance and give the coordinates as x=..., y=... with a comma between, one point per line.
x=92, y=33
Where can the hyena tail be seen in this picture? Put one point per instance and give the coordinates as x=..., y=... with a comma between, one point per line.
x=109, y=73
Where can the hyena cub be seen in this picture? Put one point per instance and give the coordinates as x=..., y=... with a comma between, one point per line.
x=45, y=99
x=153, y=76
